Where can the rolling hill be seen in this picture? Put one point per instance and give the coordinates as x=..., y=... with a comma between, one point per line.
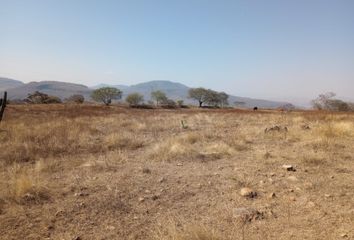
x=60, y=89
x=176, y=91
x=7, y=83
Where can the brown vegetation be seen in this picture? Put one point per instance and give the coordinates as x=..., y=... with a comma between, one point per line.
x=109, y=172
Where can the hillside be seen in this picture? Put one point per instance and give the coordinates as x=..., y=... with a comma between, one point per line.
x=7, y=83
x=176, y=91
x=60, y=89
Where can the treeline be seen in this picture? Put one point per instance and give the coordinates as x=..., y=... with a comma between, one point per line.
x=328, y=102
x=105, y=95
x=205, y=97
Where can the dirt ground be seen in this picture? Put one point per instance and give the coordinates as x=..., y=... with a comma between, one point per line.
x=94, y=172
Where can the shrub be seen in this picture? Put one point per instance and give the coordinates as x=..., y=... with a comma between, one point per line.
x=106, y=95
x=134, y=99
x=76, y=98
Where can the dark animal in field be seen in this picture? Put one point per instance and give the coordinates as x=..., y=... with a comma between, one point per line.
x=255, y=108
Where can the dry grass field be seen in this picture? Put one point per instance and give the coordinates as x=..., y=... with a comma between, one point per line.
x=94, y=172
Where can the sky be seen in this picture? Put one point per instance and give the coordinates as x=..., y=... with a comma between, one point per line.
x=275, y=49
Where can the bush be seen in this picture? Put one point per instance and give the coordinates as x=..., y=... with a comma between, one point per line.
x=134, y=99
x=76, y=98
x=42, y=98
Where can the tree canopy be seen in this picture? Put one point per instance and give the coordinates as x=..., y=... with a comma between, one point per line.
x=106, y=95
x=134, y=99
x=208, y=96
x=159, y=96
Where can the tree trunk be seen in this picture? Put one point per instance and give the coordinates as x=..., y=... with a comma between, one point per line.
x=200, y=104
x=3, y=105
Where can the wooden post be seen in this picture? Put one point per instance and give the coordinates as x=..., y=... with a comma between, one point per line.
x=3, y=105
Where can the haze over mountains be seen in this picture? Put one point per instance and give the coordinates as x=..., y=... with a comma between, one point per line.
x=176, y=91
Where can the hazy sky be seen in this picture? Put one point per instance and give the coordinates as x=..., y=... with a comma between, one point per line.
x=283, y=49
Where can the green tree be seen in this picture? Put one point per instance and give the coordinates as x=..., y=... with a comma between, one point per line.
x=159, y=96
x=223, y=97
x=213, y=98
x=76, y=98
x=134, y=99
x=106, y=95
x=199, y=94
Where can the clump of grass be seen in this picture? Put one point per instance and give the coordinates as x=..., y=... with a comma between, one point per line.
x=190, y=232
x=25, y=186
x=122, y=141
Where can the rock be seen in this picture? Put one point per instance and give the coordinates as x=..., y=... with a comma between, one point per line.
x=292, y=198
x=141, y=199
x=305, y=127
x=289, y=167
x=155, y=197
x=310, y=204
x=248, y=192
x=247, y=214
x=293, y=178
x=271, y=195
x=344, y=235
x=146, y=170
x=147, y=191
x=328, y=195
x=179, y=164
x=110, y=228
x=272, y=174
x=162, y=180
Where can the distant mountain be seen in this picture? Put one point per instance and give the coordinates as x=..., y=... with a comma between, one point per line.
x=59, y=89
x=121, y=87
x=7, y=83
x=176, y=91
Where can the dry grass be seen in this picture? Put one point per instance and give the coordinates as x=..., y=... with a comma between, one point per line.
x=97, y=172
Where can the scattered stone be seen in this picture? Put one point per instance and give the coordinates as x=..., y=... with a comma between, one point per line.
x=292, y=198
x=289, y=167
x=179, y=164
x=248, y=192
x=247, y=214
x=272, y=174
x=110, y=228
x=310, y=204
x=344, y=235
x=146, y=170
x=293, y=178
x=81, y=194
x=261, y=182
x=141, y=199
x=276, y=129
x=155, y=197
x=147, y=191
x=270, y=180
x=162, y=180
x=305, y=127
x=332, y=177
x=328, y=195
x=271, y=195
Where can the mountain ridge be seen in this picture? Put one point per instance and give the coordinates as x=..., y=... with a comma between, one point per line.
x=174, y=90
